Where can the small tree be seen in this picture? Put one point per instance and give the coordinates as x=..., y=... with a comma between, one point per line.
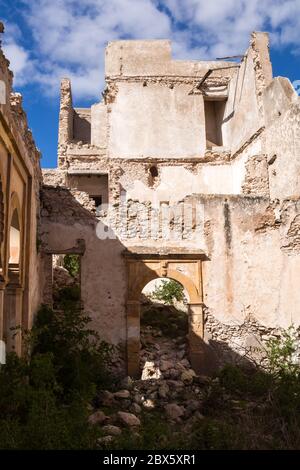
x=282, y=353
x=168, y=292
x=72, y=264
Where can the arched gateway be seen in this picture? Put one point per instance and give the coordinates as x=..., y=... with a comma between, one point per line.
x=186, y=268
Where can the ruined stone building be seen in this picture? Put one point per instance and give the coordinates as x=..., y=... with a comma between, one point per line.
x=186, y=170
x=20, y=178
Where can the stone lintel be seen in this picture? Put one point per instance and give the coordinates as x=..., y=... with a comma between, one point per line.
x=87, y=172
x=145, y=253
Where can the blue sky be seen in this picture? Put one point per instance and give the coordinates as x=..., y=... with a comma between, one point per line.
x=46, y=40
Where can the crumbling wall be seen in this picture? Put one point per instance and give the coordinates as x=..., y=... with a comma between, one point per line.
x=65, y=126
x=251, y=269
x=282, y=138
x=244, y=110
x=68, y=216
x=155, y=120
x=148, y=136
x=20, y=179
x=154, y=107
x=249, y=277
x=82, y=125
x=257, y=176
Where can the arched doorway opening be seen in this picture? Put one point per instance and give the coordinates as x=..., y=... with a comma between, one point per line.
x=164, y=328
x=13, y=298
x=14, y=240
x=184, y=268
x=1, y=226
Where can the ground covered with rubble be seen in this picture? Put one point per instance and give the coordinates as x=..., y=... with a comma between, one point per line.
x=67, y=391
x=171, y=407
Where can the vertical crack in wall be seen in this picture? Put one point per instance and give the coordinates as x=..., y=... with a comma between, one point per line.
x=228, y=254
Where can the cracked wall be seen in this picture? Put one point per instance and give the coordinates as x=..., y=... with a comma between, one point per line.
x=148, y=137
x=20, y=179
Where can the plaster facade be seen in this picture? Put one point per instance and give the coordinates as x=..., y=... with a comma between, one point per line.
x=20, y=179
x=222, y=154
x=187, y=170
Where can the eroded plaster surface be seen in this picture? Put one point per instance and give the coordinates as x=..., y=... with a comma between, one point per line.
x=172, y=192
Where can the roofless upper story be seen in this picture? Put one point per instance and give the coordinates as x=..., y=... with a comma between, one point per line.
x=154, y=107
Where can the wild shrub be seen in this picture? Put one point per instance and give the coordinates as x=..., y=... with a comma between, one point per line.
x=44, y=395
x=78, y=354
x=285, y=369
x=72, y=264
x=168, y=292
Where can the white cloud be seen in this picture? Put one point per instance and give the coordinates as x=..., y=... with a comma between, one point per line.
x=18, y=56
x=69, y=36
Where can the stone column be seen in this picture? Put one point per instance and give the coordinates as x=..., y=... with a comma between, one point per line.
x=2, y=287
x=48, y=280
x=133, y=338
x=13, y=317
x=18, y=320
x=196, y=333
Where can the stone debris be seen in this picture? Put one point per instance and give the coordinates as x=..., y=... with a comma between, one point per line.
x=105, y=440
x=150, y=371
x=174, y=411
x=97, y=418
x=112, y=430
x=122, y=394
x=135, y=408
x=149, y=404
x=128, y=419
x=163, y=357
x=173, y=388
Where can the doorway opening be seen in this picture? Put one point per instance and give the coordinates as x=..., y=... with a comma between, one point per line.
x=185, y=268
x=214, y=117
x=164, y=330
x=14, y=240
x=66, y=284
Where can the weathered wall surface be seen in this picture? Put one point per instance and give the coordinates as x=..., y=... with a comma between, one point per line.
x=20, y=179
x=82, y=125
x=154, y=109
x=283, y=138
x=103, y=278
x=155, y=120
x=249, y=278
x=245, y=239
x=236, y=203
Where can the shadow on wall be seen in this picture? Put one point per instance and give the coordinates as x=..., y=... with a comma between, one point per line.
x=59, y=206
x=68, y=227
x=214, y=354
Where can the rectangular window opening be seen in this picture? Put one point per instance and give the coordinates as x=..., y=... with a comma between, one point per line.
x=214, y=116
x=66, y=281
x=98, y=203
x=95, y=185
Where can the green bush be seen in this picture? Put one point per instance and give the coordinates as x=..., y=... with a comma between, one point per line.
x=44, y=396
x=168, y=292
x=252, y=382
x=67, y=298
x=281, y=354
x=72, y=264
x=78, y=354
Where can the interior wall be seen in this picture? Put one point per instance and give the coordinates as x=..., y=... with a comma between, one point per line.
x=282, y=106
x=242, y=118
x=214, y=116
x=94, y=185
x=156, y=121
x=82, y=125
x=250, y=269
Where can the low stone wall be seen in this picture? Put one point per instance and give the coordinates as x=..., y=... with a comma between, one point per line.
x=243, y=344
